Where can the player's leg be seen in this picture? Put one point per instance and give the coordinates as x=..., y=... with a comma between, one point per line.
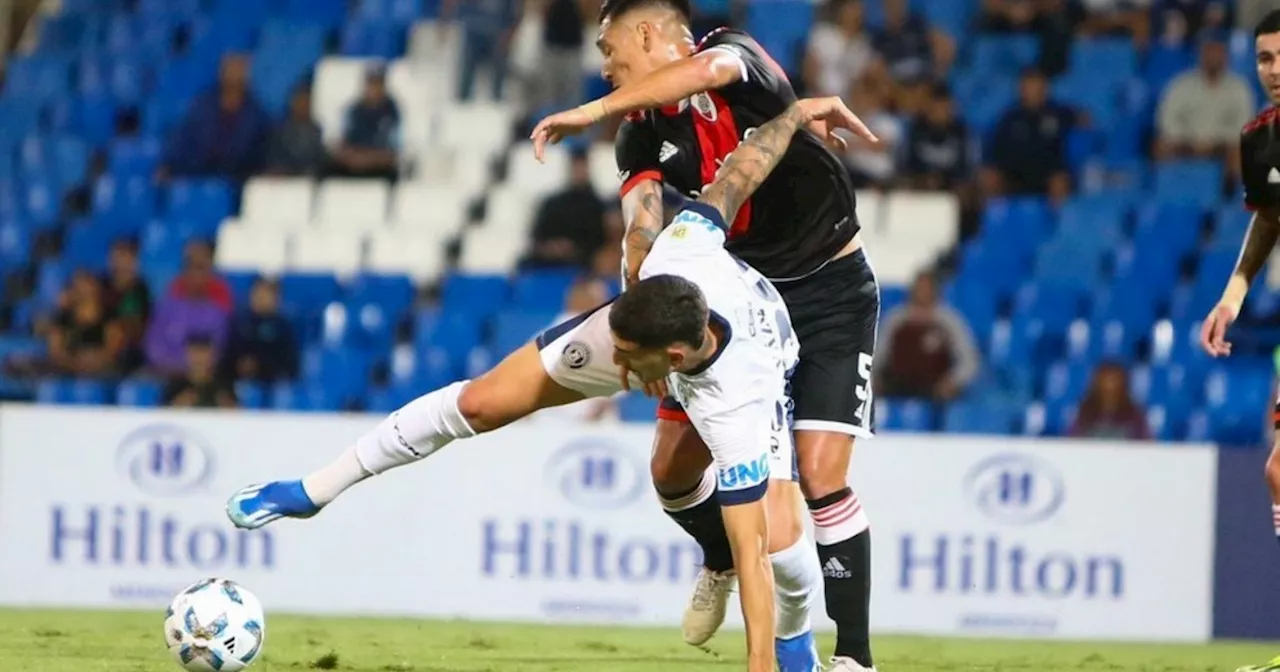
x=796, y=572
x=1273, y=476
x=556, y=368
x=834, y=314
x=686, y=485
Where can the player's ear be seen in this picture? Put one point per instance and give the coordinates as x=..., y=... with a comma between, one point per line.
x=645, y=31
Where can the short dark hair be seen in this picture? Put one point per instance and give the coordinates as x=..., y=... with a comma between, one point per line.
x=660, y=311
x=612, y=9
x=1269, y=24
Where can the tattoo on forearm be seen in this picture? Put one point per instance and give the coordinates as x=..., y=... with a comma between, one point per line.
x=749, y=164
x=1263, y=233
x=643, y=213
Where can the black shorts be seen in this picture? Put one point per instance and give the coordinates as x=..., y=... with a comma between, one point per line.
x=834, y=313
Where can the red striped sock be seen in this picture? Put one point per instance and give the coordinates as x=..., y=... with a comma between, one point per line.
x=840, y=520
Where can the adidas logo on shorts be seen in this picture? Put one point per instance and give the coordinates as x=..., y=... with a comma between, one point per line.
x=834, y=569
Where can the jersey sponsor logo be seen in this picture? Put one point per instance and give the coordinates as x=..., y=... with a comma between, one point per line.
x=576, y=355
x=679, y=232
x=667, y=151
x=743, y=476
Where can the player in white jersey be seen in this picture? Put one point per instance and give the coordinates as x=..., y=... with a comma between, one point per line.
x=707, y=324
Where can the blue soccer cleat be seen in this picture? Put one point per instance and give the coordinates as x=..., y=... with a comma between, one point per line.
x=256, y=505
x=798, y=654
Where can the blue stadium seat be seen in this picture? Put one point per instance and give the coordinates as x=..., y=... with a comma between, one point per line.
x=1066, y=382
x=343, y=372
x=1006, y=55
x=480, y=295
x=200, y=200
x=134, y=157
x=781, y=27
x=15, y=245
x=513, y=329
x=1170, y=228
x=393, y=293
x=1165, y=62
x=1056, y=304
x=85, y=243
x=400, y=12
x=979, y=305
x=308, y=293
x=452, y=333
x=906, y=415
x=37, y=77
x=1190, y=183
x=1105, y=59
x=241, y=283
x=636, y=407
x=989, y=417
x=1231, y=397
x=542, y=290
x=373, y=38
x=304, y=397
x=128, y=202
x=73, y=391
x=250, y=394
x=41, y=201
x=138, y=392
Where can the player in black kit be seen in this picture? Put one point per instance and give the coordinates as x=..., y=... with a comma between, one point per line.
x=687, y=107
x=1260, y=170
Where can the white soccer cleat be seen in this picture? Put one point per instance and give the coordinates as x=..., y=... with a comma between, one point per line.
x=842, y=664
x=705, y=613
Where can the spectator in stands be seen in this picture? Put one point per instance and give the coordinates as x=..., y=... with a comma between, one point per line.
x=371, y=141
x=926, y=348
x=1203, y=110
x=1007, y=16
x=297, y=146
x=570, y=225
x=1118, y=17
x=873, y=165
x=1107, y=410
x=82, y=341
x=1181, y=21
x=1028, y=152
x=262, y=345
x=197, y=306
x=936, y=152
x=127, y=300
x=914, y=54
x=224, y=131
x=487, y=29
x=199, y=385
x=840, y=52
x=559, y=78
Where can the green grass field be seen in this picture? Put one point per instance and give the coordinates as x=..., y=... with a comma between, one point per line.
x=59, y=641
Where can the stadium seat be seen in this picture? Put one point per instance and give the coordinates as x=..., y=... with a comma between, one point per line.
x=351, y=204
x=417, y=254
x=277, y=202
x=241, y=248
x=1189, y=183
x=636, y=407
x=541, y=290
x=200, y=200
x=335, y=251
x=141, y=393
x=979, y=418
x=428, y=210
x=491, y=248
x=514, y=328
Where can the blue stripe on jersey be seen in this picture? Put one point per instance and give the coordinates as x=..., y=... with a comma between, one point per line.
x=754, y=493
x=707, y=212
x=716, y=319
x=552, y=333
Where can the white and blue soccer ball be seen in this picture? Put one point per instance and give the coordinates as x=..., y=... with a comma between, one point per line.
x=215, y=625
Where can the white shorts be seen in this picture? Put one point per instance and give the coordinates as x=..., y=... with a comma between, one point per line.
x=578, y=354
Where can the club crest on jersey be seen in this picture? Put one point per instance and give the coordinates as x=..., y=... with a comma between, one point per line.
x=576, y=355
x=705, y=106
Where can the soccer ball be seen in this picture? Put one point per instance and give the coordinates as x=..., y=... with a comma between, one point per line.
x=215, y=625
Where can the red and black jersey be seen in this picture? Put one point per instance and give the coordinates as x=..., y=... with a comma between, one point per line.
x=801, y=216
x=1260, y=160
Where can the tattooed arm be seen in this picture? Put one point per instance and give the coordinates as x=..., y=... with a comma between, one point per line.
x=642, y=212
x=752, y=162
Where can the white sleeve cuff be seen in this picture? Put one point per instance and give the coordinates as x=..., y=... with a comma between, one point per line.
x=733, y=53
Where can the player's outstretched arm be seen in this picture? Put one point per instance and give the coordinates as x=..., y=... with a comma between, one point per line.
x=1264, y=231
x=748, y=530
x=748, y=166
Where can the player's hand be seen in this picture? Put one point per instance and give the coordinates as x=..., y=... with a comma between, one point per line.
x=1213, y=331
x=557, y=127
x=824, y=116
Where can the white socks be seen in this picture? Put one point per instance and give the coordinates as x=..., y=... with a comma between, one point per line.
x=418, y=429
x=842, y=520
x=796, y=578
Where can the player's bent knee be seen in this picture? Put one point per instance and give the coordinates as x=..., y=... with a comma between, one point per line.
x=822, y=458
x=679, y=457
x=1273, y=470
x=515, y=388
x=786, y=524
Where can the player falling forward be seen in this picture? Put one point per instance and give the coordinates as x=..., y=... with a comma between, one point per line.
x=1260, y=170
x=706, y=323
x=688, y=106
